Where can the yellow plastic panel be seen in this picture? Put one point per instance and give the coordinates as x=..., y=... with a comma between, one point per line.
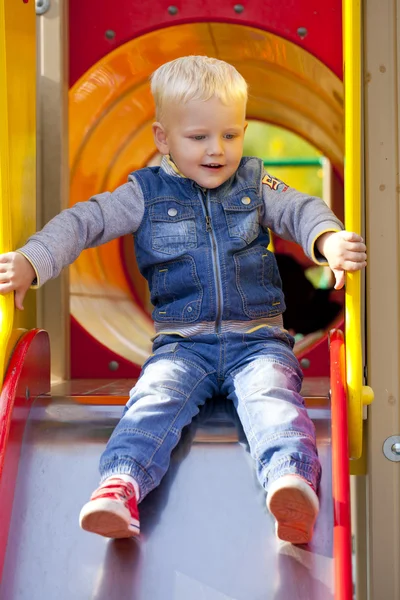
x=17, y=152
x=111, y=112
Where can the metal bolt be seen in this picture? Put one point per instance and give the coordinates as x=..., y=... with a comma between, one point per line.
x=305, y=363
x=27, y=393
x=110, y=34
x=173, y=10
x=391, y=448
x=302, y=32
x=42, y=6
x=238, y=8
x=113, y=365
x=396, y=448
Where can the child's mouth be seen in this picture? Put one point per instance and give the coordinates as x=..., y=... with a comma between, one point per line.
x=213, y=166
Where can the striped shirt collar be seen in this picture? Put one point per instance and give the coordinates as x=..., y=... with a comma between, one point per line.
x=169, y=167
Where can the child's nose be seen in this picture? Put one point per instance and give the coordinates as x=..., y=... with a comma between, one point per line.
x=216, y=148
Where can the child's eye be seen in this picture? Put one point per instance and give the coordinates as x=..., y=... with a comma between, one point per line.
x=230, y=136
x=198, y=138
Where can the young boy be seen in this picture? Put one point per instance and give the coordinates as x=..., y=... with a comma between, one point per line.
x=201, y=224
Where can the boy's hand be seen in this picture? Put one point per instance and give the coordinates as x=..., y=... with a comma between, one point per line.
x=344, y=251
x=16, y=274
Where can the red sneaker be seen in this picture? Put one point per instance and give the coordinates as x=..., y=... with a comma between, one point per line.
x=112, y=510
x=295, y=506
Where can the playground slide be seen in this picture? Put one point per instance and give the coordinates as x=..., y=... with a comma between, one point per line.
x=206, y=534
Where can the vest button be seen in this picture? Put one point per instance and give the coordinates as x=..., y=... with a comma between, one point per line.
x=172, y=212
x=245, y=200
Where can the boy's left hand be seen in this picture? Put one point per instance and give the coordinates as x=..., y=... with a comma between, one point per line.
x=344, y=251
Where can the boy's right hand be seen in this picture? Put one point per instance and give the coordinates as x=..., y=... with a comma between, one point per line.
x=16, y=274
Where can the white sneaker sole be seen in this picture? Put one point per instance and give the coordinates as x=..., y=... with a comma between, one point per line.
x=295, y=506
x=108, y=518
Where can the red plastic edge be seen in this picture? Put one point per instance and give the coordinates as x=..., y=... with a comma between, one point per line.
x=91, y=360
x=321, y=21
x=340, y=470
x=27, y=376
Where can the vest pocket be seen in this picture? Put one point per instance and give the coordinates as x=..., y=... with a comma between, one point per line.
x=259, y=283
x=173, y=227
x=176, y=291
x=242, y=216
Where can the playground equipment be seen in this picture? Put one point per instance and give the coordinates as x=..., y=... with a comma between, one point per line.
x=292, y=56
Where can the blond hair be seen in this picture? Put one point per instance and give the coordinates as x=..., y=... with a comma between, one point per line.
x=196, y=78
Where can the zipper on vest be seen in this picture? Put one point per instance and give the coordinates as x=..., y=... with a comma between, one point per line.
x=216, y=268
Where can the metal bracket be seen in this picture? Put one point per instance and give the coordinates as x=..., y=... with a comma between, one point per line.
x=391, y=448
x=42, y=6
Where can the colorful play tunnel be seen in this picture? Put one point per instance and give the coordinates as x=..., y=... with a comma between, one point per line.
x=111, y=112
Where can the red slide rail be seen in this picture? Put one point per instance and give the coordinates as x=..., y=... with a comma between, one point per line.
x=27, y=376
x=340, y=469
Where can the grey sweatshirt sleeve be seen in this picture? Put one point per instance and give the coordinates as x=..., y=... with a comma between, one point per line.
x=87, y=224
x=295, y=216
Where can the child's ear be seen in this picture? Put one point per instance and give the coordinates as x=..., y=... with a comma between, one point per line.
x=160, y=138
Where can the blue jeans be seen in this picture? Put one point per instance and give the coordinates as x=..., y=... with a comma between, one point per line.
x=257, y=371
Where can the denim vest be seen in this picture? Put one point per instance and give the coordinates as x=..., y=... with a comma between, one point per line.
x=204, y=252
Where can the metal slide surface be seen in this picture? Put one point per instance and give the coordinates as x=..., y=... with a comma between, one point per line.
x=206, y=534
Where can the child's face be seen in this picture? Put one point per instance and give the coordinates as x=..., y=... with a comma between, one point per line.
x=204, y=139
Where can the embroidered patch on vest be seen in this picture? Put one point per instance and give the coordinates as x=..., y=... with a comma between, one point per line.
x=274, y=184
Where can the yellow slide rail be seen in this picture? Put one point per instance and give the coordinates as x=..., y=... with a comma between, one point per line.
x=17, y=153
x=358, y=394
x=6, y=302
